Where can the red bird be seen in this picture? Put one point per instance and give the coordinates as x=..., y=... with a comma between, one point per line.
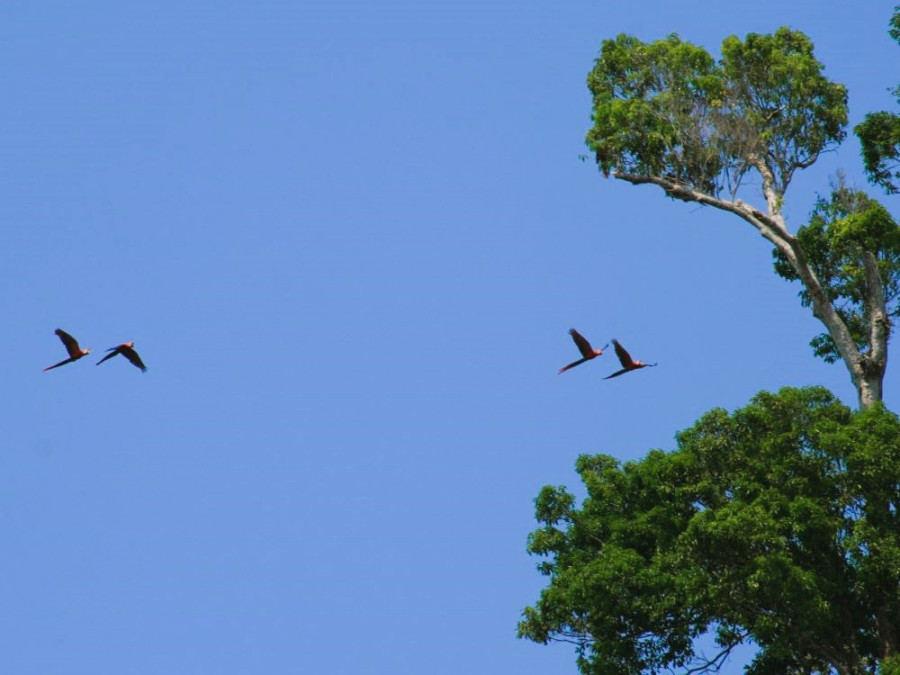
x=75, y=352
x=126, y=349
x=628, y=364
x=585, y=348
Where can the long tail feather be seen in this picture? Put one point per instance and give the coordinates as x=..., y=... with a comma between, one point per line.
x=571, y=365
x=108, y=356
x=57, y=365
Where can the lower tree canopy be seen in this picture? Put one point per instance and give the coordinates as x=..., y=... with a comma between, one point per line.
x=777, y=525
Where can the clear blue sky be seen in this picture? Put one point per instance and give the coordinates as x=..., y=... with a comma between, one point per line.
x=348, y=239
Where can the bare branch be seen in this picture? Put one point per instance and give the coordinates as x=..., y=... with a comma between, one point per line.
x=772, y=194
x=714, y=664
x=768, y=227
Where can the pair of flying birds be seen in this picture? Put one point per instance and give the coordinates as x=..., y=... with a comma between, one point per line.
x=588, y=353
x=126, y=349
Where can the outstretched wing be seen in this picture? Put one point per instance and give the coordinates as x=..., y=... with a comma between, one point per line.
x=583, y=345
x=70, y=342
x=132, y=356
x=624, y=357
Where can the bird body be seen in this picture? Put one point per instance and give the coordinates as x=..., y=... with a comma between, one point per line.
x=71, y=345
x=587, y=352
x=126, y=349
x=628, y=364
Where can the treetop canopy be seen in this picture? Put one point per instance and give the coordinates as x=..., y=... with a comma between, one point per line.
x=668, y=109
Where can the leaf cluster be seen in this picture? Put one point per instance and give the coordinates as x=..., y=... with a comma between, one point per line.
x=779, y=523
x=654, y=106
x=776, y=86
x=841, y=231
x=879, y=136
x=668, y=109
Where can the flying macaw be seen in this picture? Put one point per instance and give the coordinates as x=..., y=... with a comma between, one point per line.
x=126, y=349
x=75, y=352
x=585, y=348
x=628, y=364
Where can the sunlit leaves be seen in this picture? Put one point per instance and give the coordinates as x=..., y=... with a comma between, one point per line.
x=667, y=109
x=777, y=87
x=653, y=110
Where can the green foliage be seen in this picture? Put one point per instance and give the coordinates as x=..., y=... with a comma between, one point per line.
x=894, y=30
x=667, y=109
x=879, y=135
x=840, y=231
x=890, y=666
x=778, y=89
x=778, y=524
x=653, y=109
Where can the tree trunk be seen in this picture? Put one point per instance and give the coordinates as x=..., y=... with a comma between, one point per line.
x=866, y=370
x=870, y=389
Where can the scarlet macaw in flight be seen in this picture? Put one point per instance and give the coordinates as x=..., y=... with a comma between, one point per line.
x=126, y=349
x=585, y=348
x=75, y=352
x=628, y=364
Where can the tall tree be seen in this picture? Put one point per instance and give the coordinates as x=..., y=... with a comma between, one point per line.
x=667, y=113
x=879, y=135
x=778, y=525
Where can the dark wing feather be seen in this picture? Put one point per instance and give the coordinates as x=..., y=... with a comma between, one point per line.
x=70, y=342
x=132, y=356
x=624, y=356
x=583, y=345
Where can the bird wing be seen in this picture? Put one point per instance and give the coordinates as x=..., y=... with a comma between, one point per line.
x=132, y=356
x=112, y=352
x=624, y=357
x=70, y=342
x=583, y=345
x=617, y=373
